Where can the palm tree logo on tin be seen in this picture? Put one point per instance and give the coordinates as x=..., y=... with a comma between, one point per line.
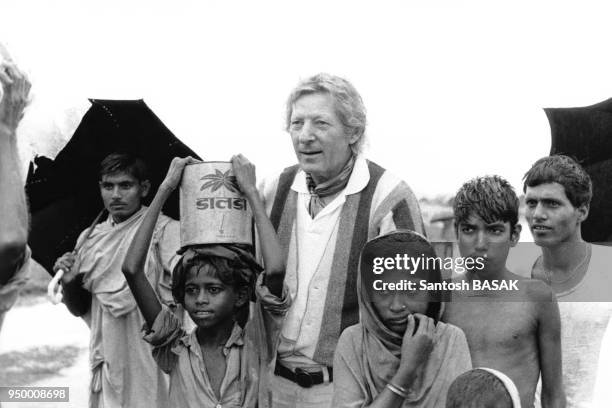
x=218, y=179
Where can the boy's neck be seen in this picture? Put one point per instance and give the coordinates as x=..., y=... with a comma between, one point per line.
x=215, y=336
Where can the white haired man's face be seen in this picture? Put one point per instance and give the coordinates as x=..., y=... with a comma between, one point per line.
x=319, y=140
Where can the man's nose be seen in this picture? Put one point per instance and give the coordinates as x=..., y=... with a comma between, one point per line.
x=116, y=192
x=306, y=133
x=539, y=212
x=482, y=241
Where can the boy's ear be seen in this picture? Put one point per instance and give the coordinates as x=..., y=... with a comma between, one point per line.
x=515, y=235
x=242, y=297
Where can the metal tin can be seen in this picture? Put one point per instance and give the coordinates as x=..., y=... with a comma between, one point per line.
x=213, y=210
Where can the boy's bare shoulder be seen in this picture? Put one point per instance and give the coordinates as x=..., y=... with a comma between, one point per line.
x=536, y=290
x=533, y=290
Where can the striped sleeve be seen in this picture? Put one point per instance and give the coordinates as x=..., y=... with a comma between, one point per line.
x=395, y=207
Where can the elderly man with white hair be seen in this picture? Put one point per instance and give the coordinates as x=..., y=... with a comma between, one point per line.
x=324, y=210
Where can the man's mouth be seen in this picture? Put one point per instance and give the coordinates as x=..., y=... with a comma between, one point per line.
x=311, y=153
x=540, y=228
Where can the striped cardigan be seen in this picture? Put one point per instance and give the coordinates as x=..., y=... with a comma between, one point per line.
x=385, y=204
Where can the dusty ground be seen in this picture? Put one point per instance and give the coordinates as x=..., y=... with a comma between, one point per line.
x=43, y=345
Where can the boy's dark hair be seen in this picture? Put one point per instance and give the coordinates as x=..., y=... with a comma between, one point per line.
x=478, y=389
x=124, y=163
x=404, y=242
x=491, y=198
x=233, y=273
x=565, y=171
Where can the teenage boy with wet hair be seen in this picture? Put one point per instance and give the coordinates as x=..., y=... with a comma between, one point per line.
x=514, y=331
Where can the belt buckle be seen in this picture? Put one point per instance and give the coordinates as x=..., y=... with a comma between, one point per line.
x=303, y=378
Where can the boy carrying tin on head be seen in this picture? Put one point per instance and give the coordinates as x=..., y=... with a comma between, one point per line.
x=514, y=331
x=220, y=361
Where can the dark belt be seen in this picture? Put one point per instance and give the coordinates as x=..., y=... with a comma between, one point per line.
x=302, y=377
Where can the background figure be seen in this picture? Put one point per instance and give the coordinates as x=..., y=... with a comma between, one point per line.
x=483, y=388
x=324, y=210
x=14, y=253
x=557, y=196
x=123, y=372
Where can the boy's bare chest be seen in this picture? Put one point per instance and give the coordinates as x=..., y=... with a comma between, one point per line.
x=215, y=364
x=495, y=325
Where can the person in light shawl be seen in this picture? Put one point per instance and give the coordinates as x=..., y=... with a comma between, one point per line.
x=123, y=373
x=399, y=355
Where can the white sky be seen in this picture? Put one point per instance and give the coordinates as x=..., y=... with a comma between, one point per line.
x=453, y=89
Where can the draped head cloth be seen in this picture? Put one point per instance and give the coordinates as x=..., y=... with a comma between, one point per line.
x=390, y=245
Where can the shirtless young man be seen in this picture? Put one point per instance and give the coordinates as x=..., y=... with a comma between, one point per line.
x=516, y=332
